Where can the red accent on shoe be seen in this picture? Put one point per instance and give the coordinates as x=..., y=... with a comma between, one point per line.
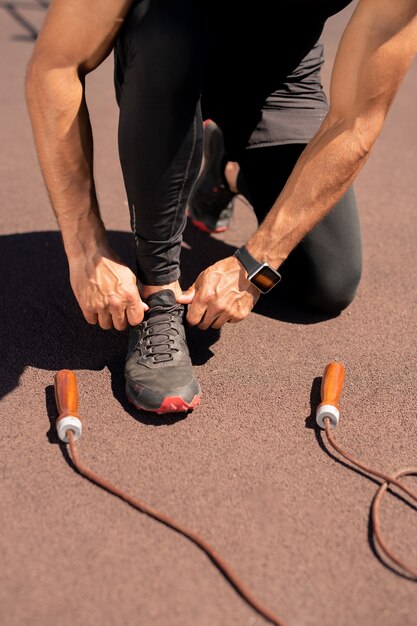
x=207, y=122
x=171, y=404
x=201, y=226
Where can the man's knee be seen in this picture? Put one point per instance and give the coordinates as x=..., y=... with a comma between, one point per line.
x=333, y=291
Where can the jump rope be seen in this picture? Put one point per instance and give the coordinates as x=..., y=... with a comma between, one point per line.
x=69, y=429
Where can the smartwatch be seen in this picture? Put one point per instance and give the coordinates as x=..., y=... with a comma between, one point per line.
x=262, y=275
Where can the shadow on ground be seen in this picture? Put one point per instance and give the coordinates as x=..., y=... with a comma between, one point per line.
x=41, y=324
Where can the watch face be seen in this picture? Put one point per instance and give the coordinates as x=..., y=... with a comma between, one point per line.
x=265, y=278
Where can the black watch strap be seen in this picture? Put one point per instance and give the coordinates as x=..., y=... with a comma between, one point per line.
x=249, y=263
x=262, y=275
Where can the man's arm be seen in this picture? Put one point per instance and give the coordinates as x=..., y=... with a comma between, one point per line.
x=76, y=38
x=374, y=54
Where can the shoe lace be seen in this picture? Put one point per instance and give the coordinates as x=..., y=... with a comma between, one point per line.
x=160, y=333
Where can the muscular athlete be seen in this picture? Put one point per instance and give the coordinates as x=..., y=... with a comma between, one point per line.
x=169, y=56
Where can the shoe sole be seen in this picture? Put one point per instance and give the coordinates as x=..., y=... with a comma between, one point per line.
x=170, y=404
x=205, y=229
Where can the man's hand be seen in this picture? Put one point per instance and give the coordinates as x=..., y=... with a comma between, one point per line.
x=106, y=290
x=222, y=293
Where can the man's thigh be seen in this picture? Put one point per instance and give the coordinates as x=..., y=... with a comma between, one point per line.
x=324, y=270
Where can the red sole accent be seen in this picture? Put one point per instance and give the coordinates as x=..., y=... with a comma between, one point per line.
x=171, y=404
x=201, y=226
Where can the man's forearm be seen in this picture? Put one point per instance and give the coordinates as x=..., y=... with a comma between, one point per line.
x=64, y=144
x=326, y=168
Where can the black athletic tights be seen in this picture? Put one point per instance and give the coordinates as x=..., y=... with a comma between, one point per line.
x=160, y=56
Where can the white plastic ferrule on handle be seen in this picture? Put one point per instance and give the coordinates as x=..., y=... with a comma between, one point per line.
x=330, y=411
x=69, y=422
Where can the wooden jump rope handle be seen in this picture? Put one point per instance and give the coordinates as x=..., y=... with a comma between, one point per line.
x=331, y=390
x=66, y=398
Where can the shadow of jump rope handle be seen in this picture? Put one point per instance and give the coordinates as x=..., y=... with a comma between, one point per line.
x=66, y=398
x=331, y=390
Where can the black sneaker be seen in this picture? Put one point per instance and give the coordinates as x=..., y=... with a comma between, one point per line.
x=158, y=371
x=211, y=202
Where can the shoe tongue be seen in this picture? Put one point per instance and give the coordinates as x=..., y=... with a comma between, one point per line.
x=166, y=297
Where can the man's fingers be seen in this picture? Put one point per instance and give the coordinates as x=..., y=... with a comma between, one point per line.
x=205, y=322
x=105, y=320
x=119, y=318
x=210, y=317
x=188, y=296
x=196, y=312
x=90, y=317
x=214, y=318
x=219, y=321
x=135, y=308
x=135, y=311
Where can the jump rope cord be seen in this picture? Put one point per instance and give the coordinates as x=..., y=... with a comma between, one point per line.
x=218, y=561
x=376, y=504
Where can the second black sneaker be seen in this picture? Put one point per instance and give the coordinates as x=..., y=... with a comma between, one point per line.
x=158, y=371
x=211, y=202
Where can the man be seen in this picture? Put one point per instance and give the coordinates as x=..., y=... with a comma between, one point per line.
x=297, y=158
